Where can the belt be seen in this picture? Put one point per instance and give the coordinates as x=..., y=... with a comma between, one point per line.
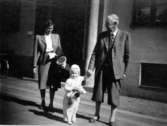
x=49, y=51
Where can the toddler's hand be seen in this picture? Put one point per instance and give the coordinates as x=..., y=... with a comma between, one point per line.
x=89, y=73
x=84, y=91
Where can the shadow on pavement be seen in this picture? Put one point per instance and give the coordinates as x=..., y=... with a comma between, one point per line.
x=47, y=115
x=17, y=100
x=39, y=112
x=57, y=110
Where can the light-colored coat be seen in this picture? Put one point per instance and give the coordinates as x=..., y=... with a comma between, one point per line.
x=41, y=57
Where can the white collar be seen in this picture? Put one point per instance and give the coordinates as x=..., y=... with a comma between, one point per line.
x=47, y=35
x=115, y=32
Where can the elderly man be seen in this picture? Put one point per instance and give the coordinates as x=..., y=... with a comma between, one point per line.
x=109, y=59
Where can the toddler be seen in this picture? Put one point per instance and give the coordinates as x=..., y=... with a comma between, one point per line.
x=73, y=88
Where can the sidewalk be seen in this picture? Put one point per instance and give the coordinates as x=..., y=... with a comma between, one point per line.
x=132, y=111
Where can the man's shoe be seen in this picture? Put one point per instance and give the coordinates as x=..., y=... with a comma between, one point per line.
x=51, y=108
x=94, y=119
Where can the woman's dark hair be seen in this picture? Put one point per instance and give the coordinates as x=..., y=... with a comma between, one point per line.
x=48, y=23
x=41, y=26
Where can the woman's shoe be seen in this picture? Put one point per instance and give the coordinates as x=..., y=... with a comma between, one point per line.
x=94, y=119
x=42, y=106
x=51, y=107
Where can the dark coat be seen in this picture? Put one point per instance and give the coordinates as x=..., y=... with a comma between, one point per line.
x=41, y=57
x=57, y=74
x=119, y=60
x=120, y=53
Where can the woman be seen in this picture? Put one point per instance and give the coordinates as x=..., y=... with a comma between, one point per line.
x=47, y=48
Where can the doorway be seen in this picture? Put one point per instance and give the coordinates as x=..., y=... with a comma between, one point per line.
x=70, y=18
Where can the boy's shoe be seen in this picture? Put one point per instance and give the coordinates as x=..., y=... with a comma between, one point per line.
x=112, y=123
x=94, y=119
x=74, y=120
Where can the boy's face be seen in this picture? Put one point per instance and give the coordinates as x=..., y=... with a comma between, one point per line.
x=62, y=62
x=63, y=65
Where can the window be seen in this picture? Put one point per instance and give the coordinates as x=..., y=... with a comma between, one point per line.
x=149, y=13
x=10, y=16
x=153, y=75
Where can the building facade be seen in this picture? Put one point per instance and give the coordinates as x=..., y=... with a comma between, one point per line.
x=78, y=22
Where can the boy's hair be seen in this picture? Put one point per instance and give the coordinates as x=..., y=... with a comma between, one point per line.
x=61, y=60
x=75, y=68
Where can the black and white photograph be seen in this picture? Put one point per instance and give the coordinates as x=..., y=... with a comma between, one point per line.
x=83, y=62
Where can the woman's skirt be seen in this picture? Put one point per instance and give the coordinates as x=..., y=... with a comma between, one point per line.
x=43, y=72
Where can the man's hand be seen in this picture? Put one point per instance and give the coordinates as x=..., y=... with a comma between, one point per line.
x=35, y=70
x=124, y=75
x=89, y=73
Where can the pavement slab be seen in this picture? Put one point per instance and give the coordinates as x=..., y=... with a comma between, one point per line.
x=20, y=100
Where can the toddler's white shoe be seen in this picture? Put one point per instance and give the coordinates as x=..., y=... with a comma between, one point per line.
x=69, y=122
x=74, y=120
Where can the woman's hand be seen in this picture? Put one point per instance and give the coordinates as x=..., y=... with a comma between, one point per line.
x=52, y=55
x=34, y=69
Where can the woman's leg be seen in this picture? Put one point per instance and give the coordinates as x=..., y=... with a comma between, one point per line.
x=42, y=92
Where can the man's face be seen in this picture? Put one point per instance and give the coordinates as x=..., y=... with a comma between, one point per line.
x=49, y=29
x=111, y=25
